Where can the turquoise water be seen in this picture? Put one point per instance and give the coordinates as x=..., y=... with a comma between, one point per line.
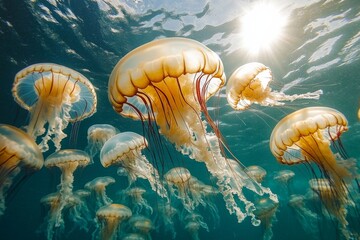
x=319, y=49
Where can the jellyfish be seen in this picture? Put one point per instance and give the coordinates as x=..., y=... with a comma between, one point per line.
x=142, y=225
x=67, y=160
x=256, y=172
x=284, y=177
x=193, y=223
x=266, y=212
x=18, y=151
x=97, y=135
x=250, y=84
x=165, y=216
x=307, y=136
x=98, y=188
x=166, y=84
x=109, y=219
x=304, y=215
x=134, y=236
x=139, y=203
x=54, y=95
x=125, y=149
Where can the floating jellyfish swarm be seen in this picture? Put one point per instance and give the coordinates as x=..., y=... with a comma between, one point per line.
x=168, y=82
x=17, y=151
x=125, y=149
x=54, y=95
x=97, y=135
x=250, y=84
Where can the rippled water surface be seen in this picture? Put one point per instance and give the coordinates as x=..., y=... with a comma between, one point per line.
x=319, y=48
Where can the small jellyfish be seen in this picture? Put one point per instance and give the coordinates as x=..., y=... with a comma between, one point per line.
x=285, y=177
x=109, y=219
x=133, y=236
x=177, y=180
x=266, y=212
x=97, y=135
x=165, y=216
x=142, y=225
x=125, y=149
x=250, y=84
x=67, y=160
x=98, y=188
x=256, y=172
x=54, y=95
x=165, y=84
x=138, y=202
x=193, y=223
x=304, y=215
x=18, y=151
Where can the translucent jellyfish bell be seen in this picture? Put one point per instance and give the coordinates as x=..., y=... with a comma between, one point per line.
x=166, y=84
x=285, y=177
x=98, y=187
x=109, y=219
x=97, y=135
x=138, y=202
x=256, y=172
x=250, y=84
x=54, y=95
x=18, y=151
x=125, y=149
x=141, y=224
x=265, y=211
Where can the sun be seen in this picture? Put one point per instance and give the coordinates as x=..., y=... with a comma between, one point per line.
x=261, y=27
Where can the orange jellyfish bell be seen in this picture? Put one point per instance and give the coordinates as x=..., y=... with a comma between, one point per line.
x=54, y=95
x=250, y=84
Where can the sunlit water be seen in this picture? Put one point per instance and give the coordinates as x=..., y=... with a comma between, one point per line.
x=319, y=49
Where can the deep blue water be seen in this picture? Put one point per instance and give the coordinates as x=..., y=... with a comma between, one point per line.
x=320, y=49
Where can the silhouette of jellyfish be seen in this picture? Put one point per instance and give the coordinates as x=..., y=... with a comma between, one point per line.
x=250, y=84
x=265, y=211
x=193, y=224
x=109, y=219
x=334, y=203
x=17, y=151
x=97, y=135
x=98, y=188
x=285, y=177
x=67, y=160
x=142, y=225
x=305, y=216
x=138, y=202
x=125, y=149
x=256, y=172
x=167, y=82
x=54, y=95
x=165, y=216
x=178, y=181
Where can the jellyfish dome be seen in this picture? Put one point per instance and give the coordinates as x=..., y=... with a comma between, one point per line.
x=265, y=211
x=168, y=82
x=54, y=95
x=256, y=172
x=284, y=177
x=97, y=135
x=138, y=202
x=125, y=149
x=67, y=160
x=110, y=218
x=98, y=187
x=141, y=224
x=250, y=84
x=18, y=151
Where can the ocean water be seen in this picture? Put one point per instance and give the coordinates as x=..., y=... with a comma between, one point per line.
x=319, y=48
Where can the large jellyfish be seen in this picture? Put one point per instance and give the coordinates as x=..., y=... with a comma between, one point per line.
x=97, y=135
x=266, y=212
x=167, y=82
x=67, y=160
x=250, y=84
x=307, y=136
x=97, y=186
x=17, y=151
x=304, y=215
x=125, y=149
x=109, y=219
x=54, y=95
